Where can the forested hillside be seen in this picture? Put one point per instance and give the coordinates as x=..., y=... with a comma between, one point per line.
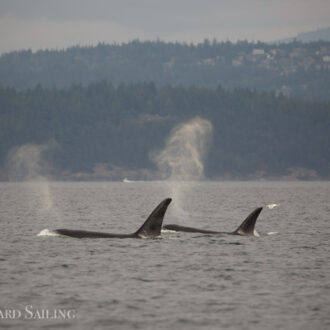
x=293, y=69
x=107, y=128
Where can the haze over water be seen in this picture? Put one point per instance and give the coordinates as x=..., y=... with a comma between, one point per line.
x=181, y=281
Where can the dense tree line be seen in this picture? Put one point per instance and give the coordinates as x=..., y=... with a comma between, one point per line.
x=119, y=126
x=296, y=69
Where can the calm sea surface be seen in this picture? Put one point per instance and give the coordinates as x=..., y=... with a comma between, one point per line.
x=181, y=281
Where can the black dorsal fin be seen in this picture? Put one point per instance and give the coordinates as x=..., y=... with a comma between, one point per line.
x=152, y=226
x=247, y=226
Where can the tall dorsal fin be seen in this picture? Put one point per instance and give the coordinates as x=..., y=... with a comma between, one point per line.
x=152, y=226
x=247, y=226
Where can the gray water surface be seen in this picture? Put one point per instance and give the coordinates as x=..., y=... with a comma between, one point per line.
x=181, y=281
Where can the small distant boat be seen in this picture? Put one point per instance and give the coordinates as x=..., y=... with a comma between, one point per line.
x=271, y=206
x=127, y=181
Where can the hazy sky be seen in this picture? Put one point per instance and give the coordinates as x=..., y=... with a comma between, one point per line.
x=61, y=23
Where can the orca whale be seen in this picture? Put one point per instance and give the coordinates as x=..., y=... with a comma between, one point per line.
x=150, y=229
x=245, y=229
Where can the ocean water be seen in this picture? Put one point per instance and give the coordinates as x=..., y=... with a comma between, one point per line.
x=280, y=280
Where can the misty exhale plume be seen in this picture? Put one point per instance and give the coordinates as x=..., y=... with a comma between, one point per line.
x=27, y=163
x=181, y=161
x=182, y=157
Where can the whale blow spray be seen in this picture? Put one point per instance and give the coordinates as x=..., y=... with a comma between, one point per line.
x=182, y=157
x=27, y=163
x=181, y=162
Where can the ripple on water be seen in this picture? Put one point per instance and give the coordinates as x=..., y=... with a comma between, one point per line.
x=181, y=281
